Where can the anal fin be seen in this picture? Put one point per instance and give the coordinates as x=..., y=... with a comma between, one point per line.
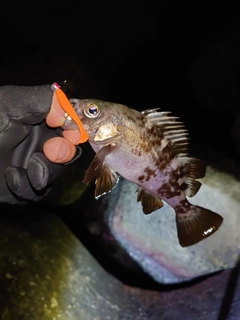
x=149, y=201
x=196, y=224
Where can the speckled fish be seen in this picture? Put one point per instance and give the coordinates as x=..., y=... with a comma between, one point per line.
x=148, y=148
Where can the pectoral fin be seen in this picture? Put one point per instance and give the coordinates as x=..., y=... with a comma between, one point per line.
x=149, y=201
x=105, y=178
x=96, y=166
x=106, y=181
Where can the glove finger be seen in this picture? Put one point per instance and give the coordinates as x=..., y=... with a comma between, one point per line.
x=18, y=183
x=14, y=135
x=41, y=171
x=76, y=156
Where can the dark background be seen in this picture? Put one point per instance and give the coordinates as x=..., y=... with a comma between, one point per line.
x=181, y=56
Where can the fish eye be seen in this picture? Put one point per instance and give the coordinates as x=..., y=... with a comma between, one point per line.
x=92, y=111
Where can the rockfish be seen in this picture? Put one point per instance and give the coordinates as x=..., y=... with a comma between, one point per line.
x=148, y=148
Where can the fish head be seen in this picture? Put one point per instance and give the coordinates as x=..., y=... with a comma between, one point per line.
x=99, y=118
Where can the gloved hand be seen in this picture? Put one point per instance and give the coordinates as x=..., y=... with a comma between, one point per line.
x=25, y=172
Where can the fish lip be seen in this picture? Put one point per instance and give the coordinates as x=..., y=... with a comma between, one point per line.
x=76, y=106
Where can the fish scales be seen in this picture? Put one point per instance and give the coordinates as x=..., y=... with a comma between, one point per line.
x=149, y=148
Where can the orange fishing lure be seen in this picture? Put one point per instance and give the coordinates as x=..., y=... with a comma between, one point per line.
x=68, y=108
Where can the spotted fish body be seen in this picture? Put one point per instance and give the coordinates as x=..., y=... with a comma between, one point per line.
x=149, y=149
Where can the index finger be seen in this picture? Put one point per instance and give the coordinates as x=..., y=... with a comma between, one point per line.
x=68, y=108
x=55, y=118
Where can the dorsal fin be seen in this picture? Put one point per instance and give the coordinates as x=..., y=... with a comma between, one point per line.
x=172, y=129
x=177, y=139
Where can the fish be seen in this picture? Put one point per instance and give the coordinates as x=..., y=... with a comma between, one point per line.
x=150, y=149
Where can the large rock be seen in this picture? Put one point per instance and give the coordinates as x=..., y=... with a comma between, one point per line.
x=151, y=240
x=46, y=274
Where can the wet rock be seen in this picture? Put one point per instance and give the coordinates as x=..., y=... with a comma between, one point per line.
x=151, y=240
x=46, y=274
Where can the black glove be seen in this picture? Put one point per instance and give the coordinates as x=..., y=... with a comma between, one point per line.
x=25, y=172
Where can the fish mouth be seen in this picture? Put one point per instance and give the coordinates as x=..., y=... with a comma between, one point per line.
x=76, y=106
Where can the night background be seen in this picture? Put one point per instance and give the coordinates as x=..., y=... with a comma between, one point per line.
x=181, y=56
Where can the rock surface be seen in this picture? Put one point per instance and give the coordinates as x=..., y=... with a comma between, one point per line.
x=46, y=274
x=152, y=241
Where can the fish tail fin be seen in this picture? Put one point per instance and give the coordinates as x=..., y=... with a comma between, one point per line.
x=196, y=224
